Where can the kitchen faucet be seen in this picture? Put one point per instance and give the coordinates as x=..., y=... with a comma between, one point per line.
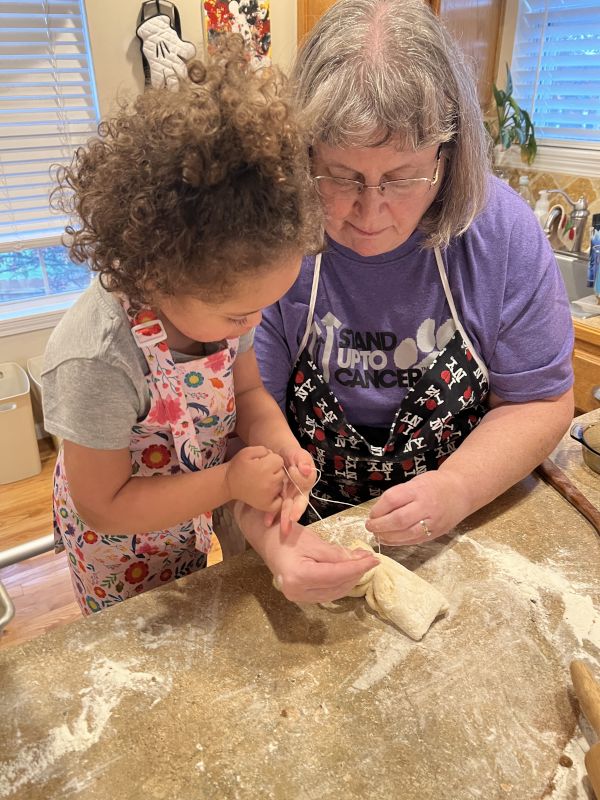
x=575, y=226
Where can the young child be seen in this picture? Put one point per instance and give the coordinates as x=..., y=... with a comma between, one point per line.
x=195, y=210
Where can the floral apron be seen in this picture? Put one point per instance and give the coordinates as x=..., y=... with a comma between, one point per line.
x=434, y=417
x=192, y=411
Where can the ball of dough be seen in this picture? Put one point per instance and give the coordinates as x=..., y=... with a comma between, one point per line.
x=399, y=595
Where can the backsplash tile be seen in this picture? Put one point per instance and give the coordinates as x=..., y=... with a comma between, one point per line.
x=573, y=185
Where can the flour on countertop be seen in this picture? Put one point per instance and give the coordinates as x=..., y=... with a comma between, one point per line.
x=88, y=778
x=570, y=783
x=180, y=644
x=109, y=681
x=532, y=579
x=390, y=649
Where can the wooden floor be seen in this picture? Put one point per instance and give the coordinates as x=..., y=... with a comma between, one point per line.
x=40, y=587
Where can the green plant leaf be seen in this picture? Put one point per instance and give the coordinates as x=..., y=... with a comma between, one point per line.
x=517, y=111
x=509, y=82
x=514, y=124
x=528, y=123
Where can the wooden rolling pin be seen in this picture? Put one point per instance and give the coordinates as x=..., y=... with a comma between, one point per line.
x=587, y=691
x=592, y=766
x=555, y=477
x=588, y=694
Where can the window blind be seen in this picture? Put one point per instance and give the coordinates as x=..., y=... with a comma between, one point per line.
x=556, y=68
x=48, y=106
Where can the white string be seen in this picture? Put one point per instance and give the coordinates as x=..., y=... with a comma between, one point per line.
x=322, y=499
x=316, y=496
x=302, y=493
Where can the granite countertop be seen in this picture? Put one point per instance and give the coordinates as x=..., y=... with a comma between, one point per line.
x=215, y=686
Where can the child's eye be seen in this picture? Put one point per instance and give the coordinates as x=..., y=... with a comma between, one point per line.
x=238, y=321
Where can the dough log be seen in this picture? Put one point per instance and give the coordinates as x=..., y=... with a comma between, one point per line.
x=398, y=595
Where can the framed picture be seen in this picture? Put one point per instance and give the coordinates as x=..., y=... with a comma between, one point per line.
x=250, y=18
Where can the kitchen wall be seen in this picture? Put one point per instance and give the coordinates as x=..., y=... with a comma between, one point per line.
x=23, y=346
x=116, y=49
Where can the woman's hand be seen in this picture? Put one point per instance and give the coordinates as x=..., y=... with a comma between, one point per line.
x=306, y=568
x=433, y=497
x=301, y=477
x=256, y=476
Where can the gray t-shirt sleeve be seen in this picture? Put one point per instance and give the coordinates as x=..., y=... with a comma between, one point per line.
x=90, y=403
x=246, y=341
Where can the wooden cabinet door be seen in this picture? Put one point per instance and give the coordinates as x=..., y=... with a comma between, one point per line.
x=587, y=381
x=586, y=366
x=309, y=12
x=476, y=26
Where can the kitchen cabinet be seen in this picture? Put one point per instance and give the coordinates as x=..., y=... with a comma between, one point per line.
x=476, y=26
x=586, y=364
x=309, y=11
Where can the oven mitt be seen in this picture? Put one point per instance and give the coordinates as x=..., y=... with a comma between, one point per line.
x=164, y=52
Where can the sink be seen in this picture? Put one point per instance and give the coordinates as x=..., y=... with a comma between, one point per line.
x=573, y=268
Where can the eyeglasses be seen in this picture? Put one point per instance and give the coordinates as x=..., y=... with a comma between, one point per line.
x=330, y=188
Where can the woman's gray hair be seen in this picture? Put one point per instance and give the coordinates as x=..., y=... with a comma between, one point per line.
x=372, y=72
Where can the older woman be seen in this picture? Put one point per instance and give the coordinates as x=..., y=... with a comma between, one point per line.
x=424, y=357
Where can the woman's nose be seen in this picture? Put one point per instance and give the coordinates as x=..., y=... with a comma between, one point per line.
x=369, y=204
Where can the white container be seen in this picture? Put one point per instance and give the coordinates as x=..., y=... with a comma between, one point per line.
x=34, y=368
x=525, y=191
x=21, y=457
x=542, y=207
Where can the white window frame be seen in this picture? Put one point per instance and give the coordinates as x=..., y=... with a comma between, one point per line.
x=41, y=313
x=34, y=314
x=565, y=156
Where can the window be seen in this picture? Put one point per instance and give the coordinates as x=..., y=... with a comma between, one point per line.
x=39, y=272
x=48, y=107
x=556, y=69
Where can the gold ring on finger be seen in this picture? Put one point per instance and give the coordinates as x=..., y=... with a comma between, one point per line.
x=425, y=527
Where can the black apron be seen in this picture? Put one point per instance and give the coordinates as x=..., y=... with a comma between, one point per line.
x=437, y=413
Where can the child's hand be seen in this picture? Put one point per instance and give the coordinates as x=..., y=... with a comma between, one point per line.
x=302, y=476
x=256, y=476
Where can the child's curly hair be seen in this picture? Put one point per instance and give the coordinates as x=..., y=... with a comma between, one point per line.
x=188, y=191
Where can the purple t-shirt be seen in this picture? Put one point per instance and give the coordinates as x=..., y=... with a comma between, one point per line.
x=380, y=321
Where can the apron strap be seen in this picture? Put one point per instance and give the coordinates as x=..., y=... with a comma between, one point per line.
x=447, y=292
x=311, y=306
x=147, y=334
x=457, y=322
